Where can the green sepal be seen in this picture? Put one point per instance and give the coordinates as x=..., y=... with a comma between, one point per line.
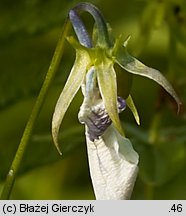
x=108, y=88
x=70, y=89
x=133, y=109
x=134, y=66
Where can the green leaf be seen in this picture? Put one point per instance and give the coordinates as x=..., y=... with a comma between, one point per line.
x=134, y=66
x=108, y=88
x=133, y=109
x=72, y=85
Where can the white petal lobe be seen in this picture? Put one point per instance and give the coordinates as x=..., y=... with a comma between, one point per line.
x=113, y=166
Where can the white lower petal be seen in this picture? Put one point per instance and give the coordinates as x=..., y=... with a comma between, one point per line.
x=113, y=165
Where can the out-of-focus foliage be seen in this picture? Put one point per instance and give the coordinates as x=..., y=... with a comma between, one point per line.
x=28, y=34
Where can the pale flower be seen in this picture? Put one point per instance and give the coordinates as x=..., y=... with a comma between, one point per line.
x=112, y=159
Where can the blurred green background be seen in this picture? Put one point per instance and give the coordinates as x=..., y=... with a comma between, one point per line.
x=29, y=30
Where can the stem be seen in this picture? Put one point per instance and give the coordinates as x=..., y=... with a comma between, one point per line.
x=9, y=183
x=103, y=39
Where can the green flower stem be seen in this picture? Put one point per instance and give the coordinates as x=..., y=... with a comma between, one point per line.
x=9, y=183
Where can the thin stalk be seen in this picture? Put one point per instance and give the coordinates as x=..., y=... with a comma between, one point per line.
x=9, y=183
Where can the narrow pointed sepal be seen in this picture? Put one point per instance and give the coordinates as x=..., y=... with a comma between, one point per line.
x=132, y=107
x=134, y=66
x=71, y=87
x=108, y=88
